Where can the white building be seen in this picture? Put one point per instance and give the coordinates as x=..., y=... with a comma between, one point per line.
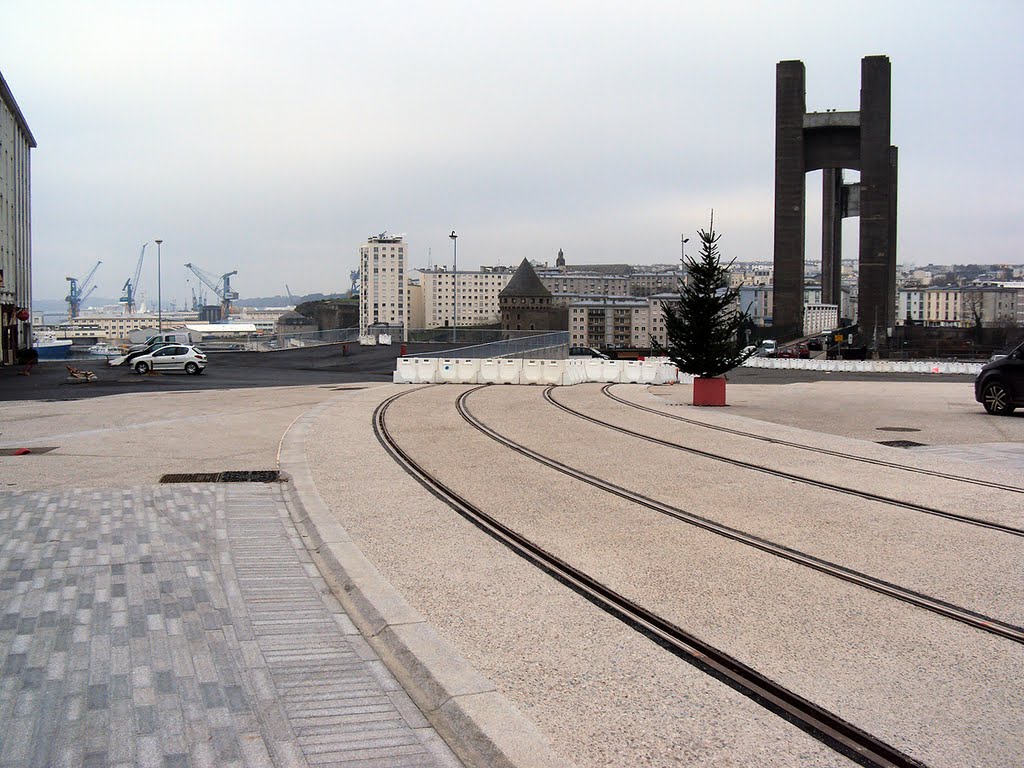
x=382, y=282
x=909, y=306
x=264, y=319
x=473, y=295
x=16, y=141
x=820, y=317
x=117, y=328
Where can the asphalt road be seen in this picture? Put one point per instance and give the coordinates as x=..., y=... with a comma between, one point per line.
x=327, y=364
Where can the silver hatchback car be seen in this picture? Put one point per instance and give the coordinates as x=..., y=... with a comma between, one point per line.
x=174, y=358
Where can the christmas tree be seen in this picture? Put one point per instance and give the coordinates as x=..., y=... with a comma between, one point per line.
x=703, y=329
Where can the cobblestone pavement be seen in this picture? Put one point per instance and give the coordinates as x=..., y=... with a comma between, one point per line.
x=184, y=626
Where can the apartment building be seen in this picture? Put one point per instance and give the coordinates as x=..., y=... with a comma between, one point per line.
x=942, y=306
x=910, y=306
x=619, y=321
x=471, y=294
x=16, y=143
x=382, y=279
x=585, y=283
x=757, y=301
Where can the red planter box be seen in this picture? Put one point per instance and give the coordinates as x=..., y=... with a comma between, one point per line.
x=709, y=391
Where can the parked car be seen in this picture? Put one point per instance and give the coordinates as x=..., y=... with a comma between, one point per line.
x=587, y=352
x=1000, y=383
x=171, y=357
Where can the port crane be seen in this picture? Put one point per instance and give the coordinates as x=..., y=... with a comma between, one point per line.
x=131, y=285
x=79, y=291
x=220, y=285
x=198, y=302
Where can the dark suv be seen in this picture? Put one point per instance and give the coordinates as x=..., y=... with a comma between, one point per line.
x=1000, y=384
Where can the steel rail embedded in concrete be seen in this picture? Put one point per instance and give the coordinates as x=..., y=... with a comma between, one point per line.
x=477, y=721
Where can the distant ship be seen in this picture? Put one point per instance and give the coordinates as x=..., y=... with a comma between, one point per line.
x=105, y=350
x=49, y=347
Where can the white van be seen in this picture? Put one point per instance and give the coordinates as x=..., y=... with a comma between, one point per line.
x=180, y=336
x=768, y=348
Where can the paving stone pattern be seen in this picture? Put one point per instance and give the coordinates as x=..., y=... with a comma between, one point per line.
x=184, y=626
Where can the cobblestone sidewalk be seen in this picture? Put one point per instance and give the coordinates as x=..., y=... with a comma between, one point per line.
x=184, y=626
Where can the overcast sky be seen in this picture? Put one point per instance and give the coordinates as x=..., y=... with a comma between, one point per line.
x=273, y=137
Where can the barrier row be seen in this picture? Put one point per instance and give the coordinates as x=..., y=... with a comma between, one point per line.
x=371, y=341
x=864, y=366
x=433, y=370
x=494, y=370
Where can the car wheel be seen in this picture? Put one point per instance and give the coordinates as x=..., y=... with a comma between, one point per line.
x=997, y=399
x=191, y=368
x=142, y=367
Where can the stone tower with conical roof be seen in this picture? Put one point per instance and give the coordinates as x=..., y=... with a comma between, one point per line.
x=525, y=304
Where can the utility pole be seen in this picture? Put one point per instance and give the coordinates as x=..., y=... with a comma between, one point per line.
x=159, y=300
x=455, y=284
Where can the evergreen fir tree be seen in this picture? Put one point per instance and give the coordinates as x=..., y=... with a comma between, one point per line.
x=703, y=328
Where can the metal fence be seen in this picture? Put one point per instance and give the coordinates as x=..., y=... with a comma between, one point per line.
x=479, y=342
x=550, y=346
x=272, y=342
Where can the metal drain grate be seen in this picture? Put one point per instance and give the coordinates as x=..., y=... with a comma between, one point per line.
x=900, y=443
x=235, y=476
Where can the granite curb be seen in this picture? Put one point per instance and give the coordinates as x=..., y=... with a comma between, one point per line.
x=477, y=721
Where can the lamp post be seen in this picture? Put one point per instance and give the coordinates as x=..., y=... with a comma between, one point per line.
x=455, y=284
x=682, y=247
x=159, y=297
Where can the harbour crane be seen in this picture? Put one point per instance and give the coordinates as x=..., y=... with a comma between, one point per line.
x=354, y=277
x=198, y=302
x=219, y=285
x=79, y=291
x=131, y=285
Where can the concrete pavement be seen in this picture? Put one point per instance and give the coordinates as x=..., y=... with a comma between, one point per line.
x=187, y=624
x=109, y=453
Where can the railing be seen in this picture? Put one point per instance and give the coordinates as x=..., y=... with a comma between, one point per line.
x=549, y=346
x=268, y=342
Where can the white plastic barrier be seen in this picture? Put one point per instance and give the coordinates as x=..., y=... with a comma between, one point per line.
x=490, y=372
x=592, y=367
x=468, y=371
x=385, y=339
x=554, y=372
x=666, y=373
x=426, y=370
x=447, y=370
x=578, y=372
x=649, y=371
x=632, y=372
x=368, y=341
x=405, y=371
x=532, y=373
x=611, y=370
x=509, y=371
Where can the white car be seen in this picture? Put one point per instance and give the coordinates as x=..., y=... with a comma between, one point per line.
x=172, y=357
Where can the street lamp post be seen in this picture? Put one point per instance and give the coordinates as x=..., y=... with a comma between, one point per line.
x=159, y=296
x=455, y=284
